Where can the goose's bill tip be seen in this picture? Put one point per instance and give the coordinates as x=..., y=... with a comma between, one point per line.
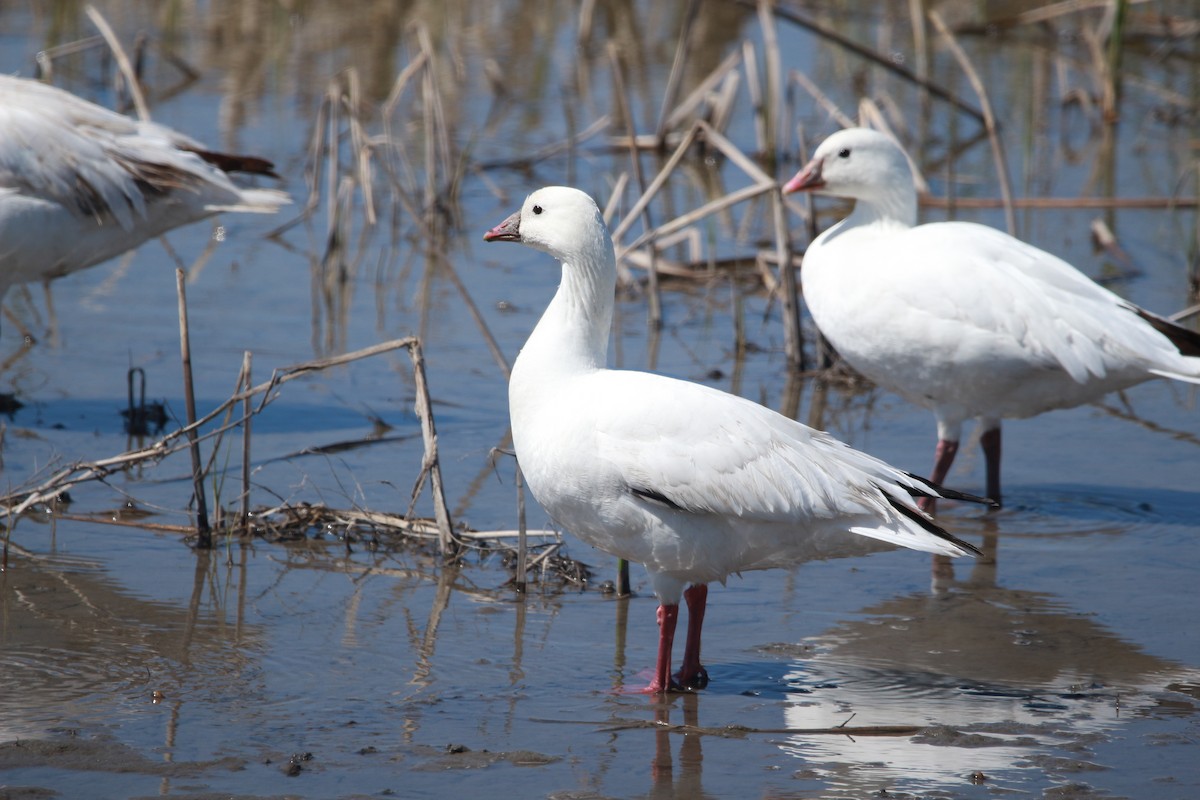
x=806, y=179
x=507, y=231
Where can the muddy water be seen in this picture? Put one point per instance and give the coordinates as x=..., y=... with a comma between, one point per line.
x=1065, y=664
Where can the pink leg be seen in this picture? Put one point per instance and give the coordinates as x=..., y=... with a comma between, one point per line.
x=668, y=616
x=691, y=674
x=990, y=440
x=943, y=457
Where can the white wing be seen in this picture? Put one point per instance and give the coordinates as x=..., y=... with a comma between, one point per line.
x=1006, y=288
x=61, y=148
x=704, y=451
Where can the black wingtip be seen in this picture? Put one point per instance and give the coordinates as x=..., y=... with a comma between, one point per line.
x=230, y=162
x=1186, y=340
x=926, y=522
x=943, y=493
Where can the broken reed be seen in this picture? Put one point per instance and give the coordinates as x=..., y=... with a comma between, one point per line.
x=193, y=434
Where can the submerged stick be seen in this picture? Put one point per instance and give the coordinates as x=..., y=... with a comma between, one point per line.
x=203, y=532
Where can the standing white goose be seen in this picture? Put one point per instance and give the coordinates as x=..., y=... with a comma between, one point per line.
x=961, y=318
x=80, y=184
x=687, y=480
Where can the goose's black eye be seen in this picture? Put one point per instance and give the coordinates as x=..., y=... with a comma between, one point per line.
x=844, y=152
x=537, y=209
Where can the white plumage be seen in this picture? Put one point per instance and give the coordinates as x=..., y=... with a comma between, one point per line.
x=692, y=482
x=80, y=184
x=962, y=318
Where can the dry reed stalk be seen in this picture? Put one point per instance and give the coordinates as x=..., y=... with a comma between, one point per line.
x=676, y=75
x=932, y=201
x=400, y=170
x=598, y=126
x=45, y=58
x=522, y=542
x=450, y=272
x=583, y=33
x=654, y=310
x=762, y=183
x=689, y=238
x=123, y=62
x=622, y=586
x=1119, y=10
x=793, y=338
x=430, y=465
x=360, y=144
x=695, y=215
x=333, y=93
x=203, y=532
x=428, y=93
x=169, y=444
x=244, y=384
x=758, y=104
x=724, y=103
x=774, y=91
x=1183, y=314
x=649, y=192
x=614, y=198
x=823, y=100
x=1050, y=11
x=624, y=276
x=806, y=201
x=989, y=119
x=702, y=90
x=880, y=59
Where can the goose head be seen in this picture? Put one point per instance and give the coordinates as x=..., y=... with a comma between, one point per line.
x=863, y=165
x=560, y=221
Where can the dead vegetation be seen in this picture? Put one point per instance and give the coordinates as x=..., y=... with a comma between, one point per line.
x=385, y=180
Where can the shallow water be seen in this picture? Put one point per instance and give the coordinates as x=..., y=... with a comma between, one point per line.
x=1066, y=664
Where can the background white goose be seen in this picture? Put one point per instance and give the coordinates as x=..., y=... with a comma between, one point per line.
x=962, y=318
x=687, y=480
x=80, y=184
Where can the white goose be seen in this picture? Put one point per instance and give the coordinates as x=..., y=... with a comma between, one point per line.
x=80, y=184
x=687, y=480
x=961, y=318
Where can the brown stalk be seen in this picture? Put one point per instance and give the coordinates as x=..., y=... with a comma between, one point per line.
x=245, y=383
x=169, y=444
x=430, y=465
x=879, y=59
x=766, y=23
x=989, y=119
x=822, y=99
x=114, y=44
x=654, y=312
x=673, y=80
x=522, y=543
x=932, y=201
x=203, y=532
x=697, y=96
